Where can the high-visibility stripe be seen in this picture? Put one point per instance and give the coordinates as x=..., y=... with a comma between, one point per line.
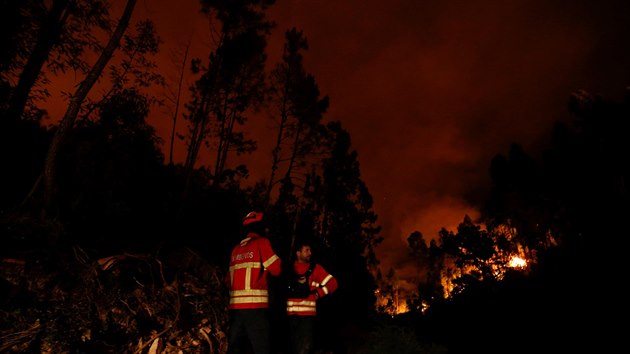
x=249, y=300
x=304, y=307
x=271, y=259
x=248, y=277
x=245, y=240
x=258, y=292
x=326, y=279
x=301, y=303
x=245, y=265
x=301, y=306
x=300, y=309
x=325, y=290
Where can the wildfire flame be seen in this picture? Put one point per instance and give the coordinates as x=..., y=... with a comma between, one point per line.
x=393, y=300
x=517, y=262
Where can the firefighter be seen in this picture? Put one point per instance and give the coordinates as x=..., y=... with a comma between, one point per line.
x=311, y=283
x=252, y=261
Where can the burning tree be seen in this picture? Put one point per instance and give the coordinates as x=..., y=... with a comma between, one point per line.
x=457, y=260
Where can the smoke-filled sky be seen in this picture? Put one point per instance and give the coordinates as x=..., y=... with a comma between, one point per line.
x=431, y=90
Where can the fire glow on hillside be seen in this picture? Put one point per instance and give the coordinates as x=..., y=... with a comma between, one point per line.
x=394, y=299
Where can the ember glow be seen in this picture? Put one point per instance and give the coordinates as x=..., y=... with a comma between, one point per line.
x=392, y=303
x=517, y=262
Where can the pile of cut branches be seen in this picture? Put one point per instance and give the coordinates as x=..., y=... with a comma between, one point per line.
x=127, y=303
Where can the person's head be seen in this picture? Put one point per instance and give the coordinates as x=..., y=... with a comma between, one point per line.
x=253, y=222
x=303, y=252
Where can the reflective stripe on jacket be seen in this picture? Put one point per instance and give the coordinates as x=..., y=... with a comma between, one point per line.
x=251, y=262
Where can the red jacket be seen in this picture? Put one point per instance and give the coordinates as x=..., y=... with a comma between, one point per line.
x=322, y=284
x=251, y=262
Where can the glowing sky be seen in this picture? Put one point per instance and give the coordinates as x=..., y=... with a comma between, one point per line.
x=431, y=90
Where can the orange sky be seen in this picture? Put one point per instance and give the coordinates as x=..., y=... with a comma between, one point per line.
x=431, y=90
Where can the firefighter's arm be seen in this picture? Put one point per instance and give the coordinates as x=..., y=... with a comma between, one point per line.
x=271, y=261
x=327, y=284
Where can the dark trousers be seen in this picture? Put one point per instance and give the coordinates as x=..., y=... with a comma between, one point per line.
x=249, y=329
x=301, y=333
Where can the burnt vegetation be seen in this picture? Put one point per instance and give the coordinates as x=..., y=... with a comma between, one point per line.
x=105, y=247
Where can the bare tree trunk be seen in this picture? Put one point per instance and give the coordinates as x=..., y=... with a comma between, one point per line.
x=277, y=150
x=200, y=121
x=47, y=38
x=179, y=92
x=227, y=118
x=198, y=135
x=295, y=148
x=67, y=122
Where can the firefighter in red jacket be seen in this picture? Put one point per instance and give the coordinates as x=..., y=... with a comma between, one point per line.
x=251, y=263
x=302, y=308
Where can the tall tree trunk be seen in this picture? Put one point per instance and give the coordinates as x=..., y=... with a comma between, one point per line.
x=179, y=93
x=277, y=150
x=200, y=121
x=294, y=149
x=67, y=122
x=47, y=38
x=198, y=135
x=225, y=140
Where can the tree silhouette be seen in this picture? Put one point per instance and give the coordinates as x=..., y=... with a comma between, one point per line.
x=38, y=38
x=135, y=70
x=231, y=84
x=50, y=165
x=63, y=29
x=430, y=259
x=174, y=96
x=295, y=96
x=345, y=223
